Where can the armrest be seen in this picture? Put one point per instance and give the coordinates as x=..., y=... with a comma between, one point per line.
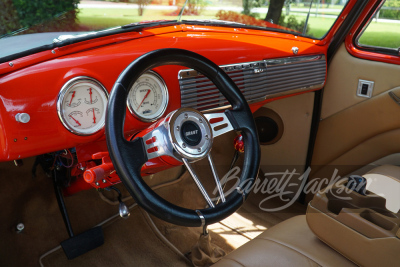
x=359, y=227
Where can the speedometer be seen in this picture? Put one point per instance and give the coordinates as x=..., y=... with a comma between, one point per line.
x=82, y=104
x=148, y=97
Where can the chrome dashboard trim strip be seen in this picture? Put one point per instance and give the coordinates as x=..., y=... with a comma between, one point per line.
x=191, y=73
x=257, y=80
x=292, y=60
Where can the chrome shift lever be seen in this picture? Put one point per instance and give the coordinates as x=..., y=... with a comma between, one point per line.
x=123, y=209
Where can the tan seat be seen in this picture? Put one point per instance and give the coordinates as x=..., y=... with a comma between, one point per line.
x=387, y=170
x=385, y=181
x=290, y=243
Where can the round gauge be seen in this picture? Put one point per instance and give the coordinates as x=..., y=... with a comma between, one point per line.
x=148, y=97
x=82, y=105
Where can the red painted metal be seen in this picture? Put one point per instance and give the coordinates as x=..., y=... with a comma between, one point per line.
x=95, y=175
x=34, y=89
x=100, y=172
x=76, y=186
x=33, y=83
x=339, y=21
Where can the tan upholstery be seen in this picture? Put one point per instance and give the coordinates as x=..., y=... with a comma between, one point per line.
x=385, y=181
x=360, y=227
x=342, y=81
x=290, y=243
x=295, y=113
x=355, y=130
x=387, y=170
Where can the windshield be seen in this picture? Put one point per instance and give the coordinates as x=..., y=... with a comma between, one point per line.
x=302, y=17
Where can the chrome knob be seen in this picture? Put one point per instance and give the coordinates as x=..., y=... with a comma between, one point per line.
x=123, y=211
x=22, y=117
x=20, y=227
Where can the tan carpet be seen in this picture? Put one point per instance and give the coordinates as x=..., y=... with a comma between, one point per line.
x=130, y=242
x=32, y=202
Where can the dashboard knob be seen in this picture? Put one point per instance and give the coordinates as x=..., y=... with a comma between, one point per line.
x=22, y=117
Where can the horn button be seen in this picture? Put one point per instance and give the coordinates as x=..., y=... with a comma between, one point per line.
x=191, y=133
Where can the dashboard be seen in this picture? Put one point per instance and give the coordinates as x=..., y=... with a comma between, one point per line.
x=64, y=92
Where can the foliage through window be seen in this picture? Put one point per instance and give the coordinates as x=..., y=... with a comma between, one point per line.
x=383, y=29
x=300, y=17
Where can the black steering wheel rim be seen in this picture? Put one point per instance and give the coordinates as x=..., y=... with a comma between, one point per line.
x=129, y=156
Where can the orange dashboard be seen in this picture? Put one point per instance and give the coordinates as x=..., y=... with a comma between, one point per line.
x=32, y=84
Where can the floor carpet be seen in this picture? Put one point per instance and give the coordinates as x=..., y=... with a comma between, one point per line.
x=129, y=242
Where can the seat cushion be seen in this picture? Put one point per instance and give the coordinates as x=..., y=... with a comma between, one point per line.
x=385, y=181
x=290, y=243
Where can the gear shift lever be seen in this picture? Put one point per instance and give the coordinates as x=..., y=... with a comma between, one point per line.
x=123, y=209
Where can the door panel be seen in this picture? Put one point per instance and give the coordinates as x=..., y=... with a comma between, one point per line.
x=342, y=81
x=355, y=131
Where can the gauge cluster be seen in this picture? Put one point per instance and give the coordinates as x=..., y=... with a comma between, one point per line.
x=82, y=102
x=82, y=105
x=148, y=97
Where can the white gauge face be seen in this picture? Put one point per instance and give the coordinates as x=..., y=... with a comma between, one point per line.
x=148, y=97
x=82, y=105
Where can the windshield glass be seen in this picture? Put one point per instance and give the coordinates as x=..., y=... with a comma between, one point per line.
x=303, y=17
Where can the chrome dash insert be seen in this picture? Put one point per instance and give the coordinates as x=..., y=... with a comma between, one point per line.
x=257, y=80
x=190, y=73
x=293, y=60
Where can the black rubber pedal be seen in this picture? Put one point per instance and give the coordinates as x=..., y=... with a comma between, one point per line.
x=82, y=243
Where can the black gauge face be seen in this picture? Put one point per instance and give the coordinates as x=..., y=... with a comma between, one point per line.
x=81, y=105
x=148, y=97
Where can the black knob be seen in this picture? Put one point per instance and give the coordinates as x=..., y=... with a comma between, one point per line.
x=358, y=184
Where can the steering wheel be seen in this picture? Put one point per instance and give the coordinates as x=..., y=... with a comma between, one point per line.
x=171, y=139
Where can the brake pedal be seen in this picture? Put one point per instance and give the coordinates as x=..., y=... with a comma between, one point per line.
x=82, y=243
x=76, y=245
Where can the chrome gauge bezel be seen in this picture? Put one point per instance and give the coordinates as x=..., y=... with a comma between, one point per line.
x=165, y=100
x=66, y=87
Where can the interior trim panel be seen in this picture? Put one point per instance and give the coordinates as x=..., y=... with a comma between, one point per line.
x=256, y=80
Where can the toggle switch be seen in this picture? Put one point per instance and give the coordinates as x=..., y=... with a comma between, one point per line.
x=365, y=88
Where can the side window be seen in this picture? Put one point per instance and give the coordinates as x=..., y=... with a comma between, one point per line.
x=383, y=30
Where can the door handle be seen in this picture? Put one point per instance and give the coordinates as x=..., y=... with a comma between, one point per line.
x=395, y=98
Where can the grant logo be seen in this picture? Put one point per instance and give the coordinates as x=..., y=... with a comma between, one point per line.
x=191, y=132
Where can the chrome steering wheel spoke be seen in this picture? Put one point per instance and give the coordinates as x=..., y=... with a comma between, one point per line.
x=155, y=145
x=166, y=138
x=188, y=137
x=216, y=178
x=219, y=122
x=198, y=183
